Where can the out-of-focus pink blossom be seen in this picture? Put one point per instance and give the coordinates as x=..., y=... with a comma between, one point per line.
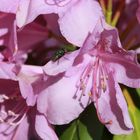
x=92, y=74
x=20, y=86
x=28, y=78
x=19, y=121
x=128, y=25
x=8, y=37
x=18, y=42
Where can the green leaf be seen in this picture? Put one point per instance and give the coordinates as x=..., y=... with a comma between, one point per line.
x=136, y=133
x=86, y=127
x=138, y=91
x=77, y=131
x=135, y=117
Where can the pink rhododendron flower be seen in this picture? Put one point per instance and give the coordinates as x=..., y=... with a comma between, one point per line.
x=10, y=6
x=70, y=13
x=92, y=74
x=27, y=77
x=34, y=97
x=8, y=34
x=17, y=42
x=17, y=119
x=72, y=22
x=25, y=83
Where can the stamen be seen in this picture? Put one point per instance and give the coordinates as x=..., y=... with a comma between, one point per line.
x=109, y=122
x=15, y=116
x=6, y=97
x=3, y=112
x=82, y=105
x=11, y=113
x=103, y=85
x=103, y=77
x=81, y=84
x=3, y=98
x=18, y=122
x=95, y=80
x=90, y=94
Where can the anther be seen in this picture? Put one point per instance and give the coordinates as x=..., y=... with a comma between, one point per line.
x=82, y=87
x=103, y=86
x=90, y=94
x=3, y=98
x=11, y=113
x=75, y=96
x=109, y=122
x=82, y=105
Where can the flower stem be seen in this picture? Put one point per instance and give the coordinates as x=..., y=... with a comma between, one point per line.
x=129, y=100
x=116, y=18
x=109, y=11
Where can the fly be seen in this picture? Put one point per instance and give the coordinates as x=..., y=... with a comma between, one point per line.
x=61, y=52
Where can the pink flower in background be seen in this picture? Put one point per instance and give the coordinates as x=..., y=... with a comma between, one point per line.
x=128, y=25
x=70, y=12
x=92, y=74
x=28, y=77
x=8, y=36
x=18, y=42
x=19, y=121
x=17, y=103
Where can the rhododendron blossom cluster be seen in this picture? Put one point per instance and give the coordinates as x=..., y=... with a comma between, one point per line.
x=59, y=56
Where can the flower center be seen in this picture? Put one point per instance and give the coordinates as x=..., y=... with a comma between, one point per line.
x=99, y=87
x=12, y=108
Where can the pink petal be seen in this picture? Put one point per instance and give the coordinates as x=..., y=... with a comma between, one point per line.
x=31, y=35
x=9, y=6
x=126, y=69
x=44, y=129
x=69, y=22
x=6, y=71
x=9, y=38
x=27, y=92
x=28, y=10
x=19, y=132
x=27, y=77
x=61, y=65
x=22, y=12
x=57, y=101
x=112, y=109
x=22, y=130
